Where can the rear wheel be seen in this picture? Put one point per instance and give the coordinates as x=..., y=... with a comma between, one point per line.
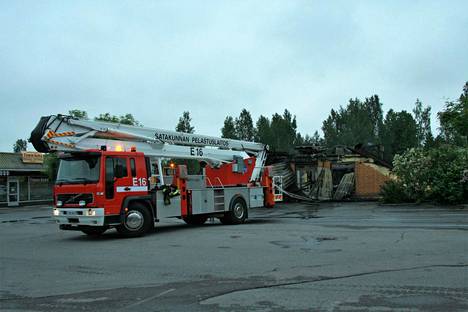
x=94, y=231
x=237, y=212
x=195, y=220
x=137, y=221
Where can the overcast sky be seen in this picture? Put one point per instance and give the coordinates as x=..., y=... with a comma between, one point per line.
x=155, y=59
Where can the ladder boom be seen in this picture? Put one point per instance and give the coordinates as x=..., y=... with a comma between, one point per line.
x=61, y=124
x=65, y=133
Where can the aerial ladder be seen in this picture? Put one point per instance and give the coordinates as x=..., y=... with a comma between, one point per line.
x=111, y=176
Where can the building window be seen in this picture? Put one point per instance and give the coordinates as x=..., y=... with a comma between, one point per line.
x=41, y=188
x=23, y=188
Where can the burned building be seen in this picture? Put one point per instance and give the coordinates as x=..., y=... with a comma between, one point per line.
x=336, y=173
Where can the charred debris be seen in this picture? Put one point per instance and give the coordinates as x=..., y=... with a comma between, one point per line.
x=332, y=174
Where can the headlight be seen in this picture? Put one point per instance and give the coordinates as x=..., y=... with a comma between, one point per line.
x=56, y=212
x=82, y=203
x=91, y=212
x=59, y=203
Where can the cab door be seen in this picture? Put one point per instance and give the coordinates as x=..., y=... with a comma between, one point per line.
x=118, y=183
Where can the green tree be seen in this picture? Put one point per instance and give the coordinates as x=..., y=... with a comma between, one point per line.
x=51, y=163
x=331, y=128
x=315, y=139
x=454, y=120
x=359, y=122
x=290, y=127
x=374, y=108
x=263, y=133
x=399, y=133
x=20, y=146
x=299, y=140
x=184, y=123
x=228, y=131
x=126, y=119
x=107, y=117
x=284, y=132
x=422, y=116
x=80, y=114
x=244, y=126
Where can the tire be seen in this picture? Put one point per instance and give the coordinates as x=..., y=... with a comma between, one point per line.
x=94, y=231
x=137, y=221
x=195, y=220
x=237, y=212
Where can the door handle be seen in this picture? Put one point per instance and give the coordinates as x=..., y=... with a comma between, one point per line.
x=126, y=188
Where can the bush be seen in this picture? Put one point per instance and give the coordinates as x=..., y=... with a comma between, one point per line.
x=446, y=175
x=411, y=171
x=393, y=192
x=429, y=175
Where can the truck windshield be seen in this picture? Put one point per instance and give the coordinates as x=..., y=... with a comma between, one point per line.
x=83, y=169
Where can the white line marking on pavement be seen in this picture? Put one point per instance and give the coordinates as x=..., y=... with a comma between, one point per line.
x=166, y=292
x=149, y=298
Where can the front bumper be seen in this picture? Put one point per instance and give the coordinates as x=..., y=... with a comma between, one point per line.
x=79, y=216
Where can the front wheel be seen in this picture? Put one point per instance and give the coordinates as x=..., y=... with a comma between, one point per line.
x=137, y=221
x=237, y=212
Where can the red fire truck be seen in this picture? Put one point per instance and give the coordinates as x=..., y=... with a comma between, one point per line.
x=111, y=175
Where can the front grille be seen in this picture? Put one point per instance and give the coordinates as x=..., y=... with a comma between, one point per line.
x=74, y=199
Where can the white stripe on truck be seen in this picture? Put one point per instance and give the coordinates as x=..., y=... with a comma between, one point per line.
x=131, y=189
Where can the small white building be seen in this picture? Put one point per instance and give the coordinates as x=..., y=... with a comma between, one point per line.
x=23, y=179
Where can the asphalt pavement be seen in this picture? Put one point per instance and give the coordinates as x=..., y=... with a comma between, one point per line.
x=327, y=257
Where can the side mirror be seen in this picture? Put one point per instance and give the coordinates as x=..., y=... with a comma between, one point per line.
x=118, y=171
